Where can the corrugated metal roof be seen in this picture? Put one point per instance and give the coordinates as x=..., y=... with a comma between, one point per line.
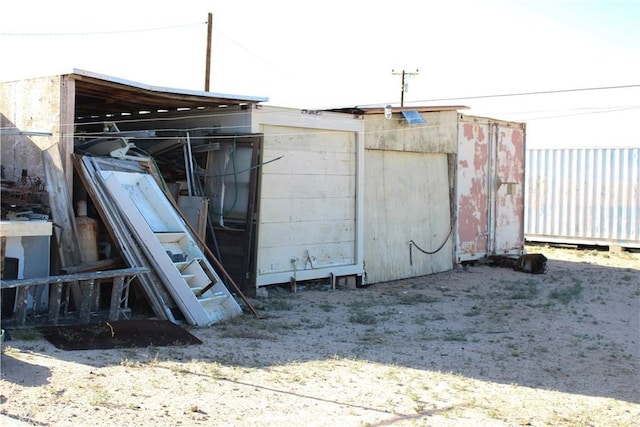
x=99, y=95
x=380, y=110
x=161, y=89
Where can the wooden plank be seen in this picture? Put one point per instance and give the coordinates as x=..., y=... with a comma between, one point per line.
x=302, y=233
x=67, y=126
x=100, y=265
x=87, y=300
x=3, y=247
x=310, y=162
x=25, y=228
x=307, y=186
x=116, y=294
x=308, y=209
x=61, y=208
x=279, y=259
x=154, y=290
x=95, y=303
x=21, y=302
x=55, y=299
x=67, y=278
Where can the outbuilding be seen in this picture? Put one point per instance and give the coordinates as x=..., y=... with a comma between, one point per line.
x=276, y=192
x=442, y=188
x=275, y=195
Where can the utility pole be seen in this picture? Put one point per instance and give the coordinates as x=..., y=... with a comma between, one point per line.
x=207, y=72
x=404, y=85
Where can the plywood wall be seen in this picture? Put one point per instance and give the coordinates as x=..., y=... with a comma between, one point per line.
x=407, y=199
x=308, y=215
x=30, y=122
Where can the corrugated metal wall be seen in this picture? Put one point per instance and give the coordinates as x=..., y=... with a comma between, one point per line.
x=583, y=196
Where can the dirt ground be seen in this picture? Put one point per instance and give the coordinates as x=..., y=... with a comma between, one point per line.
x=481, y=346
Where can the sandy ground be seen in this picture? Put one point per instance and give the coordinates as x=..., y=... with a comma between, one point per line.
x=481, y=346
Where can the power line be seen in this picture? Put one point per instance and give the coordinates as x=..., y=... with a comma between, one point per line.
x=178, y=131
x=93, y=33
x=544, y=92
x=503, y=95
x=98, y=135
x=557, y=116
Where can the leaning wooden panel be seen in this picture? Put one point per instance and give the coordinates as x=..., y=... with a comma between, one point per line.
x=160, y=301
x=172, y=248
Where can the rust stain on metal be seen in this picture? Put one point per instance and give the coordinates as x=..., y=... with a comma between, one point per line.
x=473, y=131
x=473, y=199
x=490, y=189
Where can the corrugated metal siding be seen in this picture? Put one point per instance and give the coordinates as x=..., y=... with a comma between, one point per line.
x=583, y=196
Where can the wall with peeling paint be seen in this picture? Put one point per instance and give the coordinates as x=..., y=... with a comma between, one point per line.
x=490, y=178
x=29, y=110
x=447, y=191
x=437, y=135
x=407, y=192
x=407, y=199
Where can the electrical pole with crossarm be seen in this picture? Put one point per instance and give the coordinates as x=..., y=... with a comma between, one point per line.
x=207, y=71
x=404, y=85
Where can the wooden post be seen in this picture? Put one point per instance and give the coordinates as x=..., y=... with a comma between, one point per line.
x=87, y=300
x=65, y=229
x=22, y=299
x=3, y=245
x=207, y=72
x=116, y=294
x=55, y=300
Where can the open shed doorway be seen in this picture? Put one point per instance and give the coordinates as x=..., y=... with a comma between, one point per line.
x=231, y=166
x=214, y=181
x=211, y=175
x=212, y=178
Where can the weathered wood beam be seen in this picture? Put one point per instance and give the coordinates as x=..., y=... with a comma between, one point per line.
x=66, y=278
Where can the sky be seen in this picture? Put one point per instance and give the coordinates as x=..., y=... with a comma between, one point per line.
x=330, y=53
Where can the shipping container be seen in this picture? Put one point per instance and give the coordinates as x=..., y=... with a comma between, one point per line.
x=583, y=196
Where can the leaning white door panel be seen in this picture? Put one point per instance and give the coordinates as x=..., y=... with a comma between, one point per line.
x=171, y=247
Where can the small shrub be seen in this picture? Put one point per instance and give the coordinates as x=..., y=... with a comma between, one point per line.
x=28, y=334
x=526, y=290
x=408, y=299
x=362, y=317
x=280, y=304
x=567, y=294
x=454, y=336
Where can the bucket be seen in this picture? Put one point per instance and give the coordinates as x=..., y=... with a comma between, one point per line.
x=87, y=234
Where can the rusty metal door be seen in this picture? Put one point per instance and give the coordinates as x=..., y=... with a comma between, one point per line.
x=489, y=189
x=507, y=189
